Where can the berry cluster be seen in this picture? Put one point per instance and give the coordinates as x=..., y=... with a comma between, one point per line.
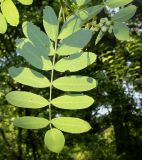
x=105, y=25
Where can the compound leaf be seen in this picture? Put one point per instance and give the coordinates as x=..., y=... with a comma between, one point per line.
x=54, y=140
x=29, y=122
x=71, y=124
x=26, y=99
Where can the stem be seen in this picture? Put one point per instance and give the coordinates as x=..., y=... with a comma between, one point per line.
x=63, y=13
x=52, y=71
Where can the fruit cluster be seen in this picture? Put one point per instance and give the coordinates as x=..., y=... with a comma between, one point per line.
x=105, y=25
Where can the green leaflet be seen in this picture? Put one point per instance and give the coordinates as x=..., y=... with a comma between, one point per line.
x=73, y=101
x=29, y=77
x=29, y=122
x=3, y=24
x=75, y=62
x=121, y=31
x=75, y=83
x=75, y=22
x=54, y=140
x=26, y=99
x=33, y=54
x=38, y=38
x=125, y=14
x=72, y=25
x=118, y=3
x=99, y=37
x=26, y=2
x=71, y=124
x=50, y=23
x=82, y=2
x=75, y=42
x=90, y=12
x=10, y=12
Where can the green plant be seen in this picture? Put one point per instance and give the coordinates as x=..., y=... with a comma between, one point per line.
x=10, y=13
x=55, y=51
x=37, y=49
x=117, y=23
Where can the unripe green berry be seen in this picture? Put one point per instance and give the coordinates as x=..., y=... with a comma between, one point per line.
x=94, y=23
x=93, y=29
x=108, y=23
x=135, y=24
x=110, y=29
x=103, y=20
x=106, y=19
x=96, y=29
x=104, y=29
x=100, y=24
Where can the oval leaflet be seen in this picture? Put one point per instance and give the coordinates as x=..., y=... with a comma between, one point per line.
x=29, y=122
x=73, y=101
x=12, y=17
x=3, y=24
x=71, y=124
x=26, y=99
x=75, y=62
x=75, y=83
x=29, y=77
x=54, y=140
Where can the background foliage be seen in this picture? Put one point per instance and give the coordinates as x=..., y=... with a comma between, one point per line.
x=116, y=135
